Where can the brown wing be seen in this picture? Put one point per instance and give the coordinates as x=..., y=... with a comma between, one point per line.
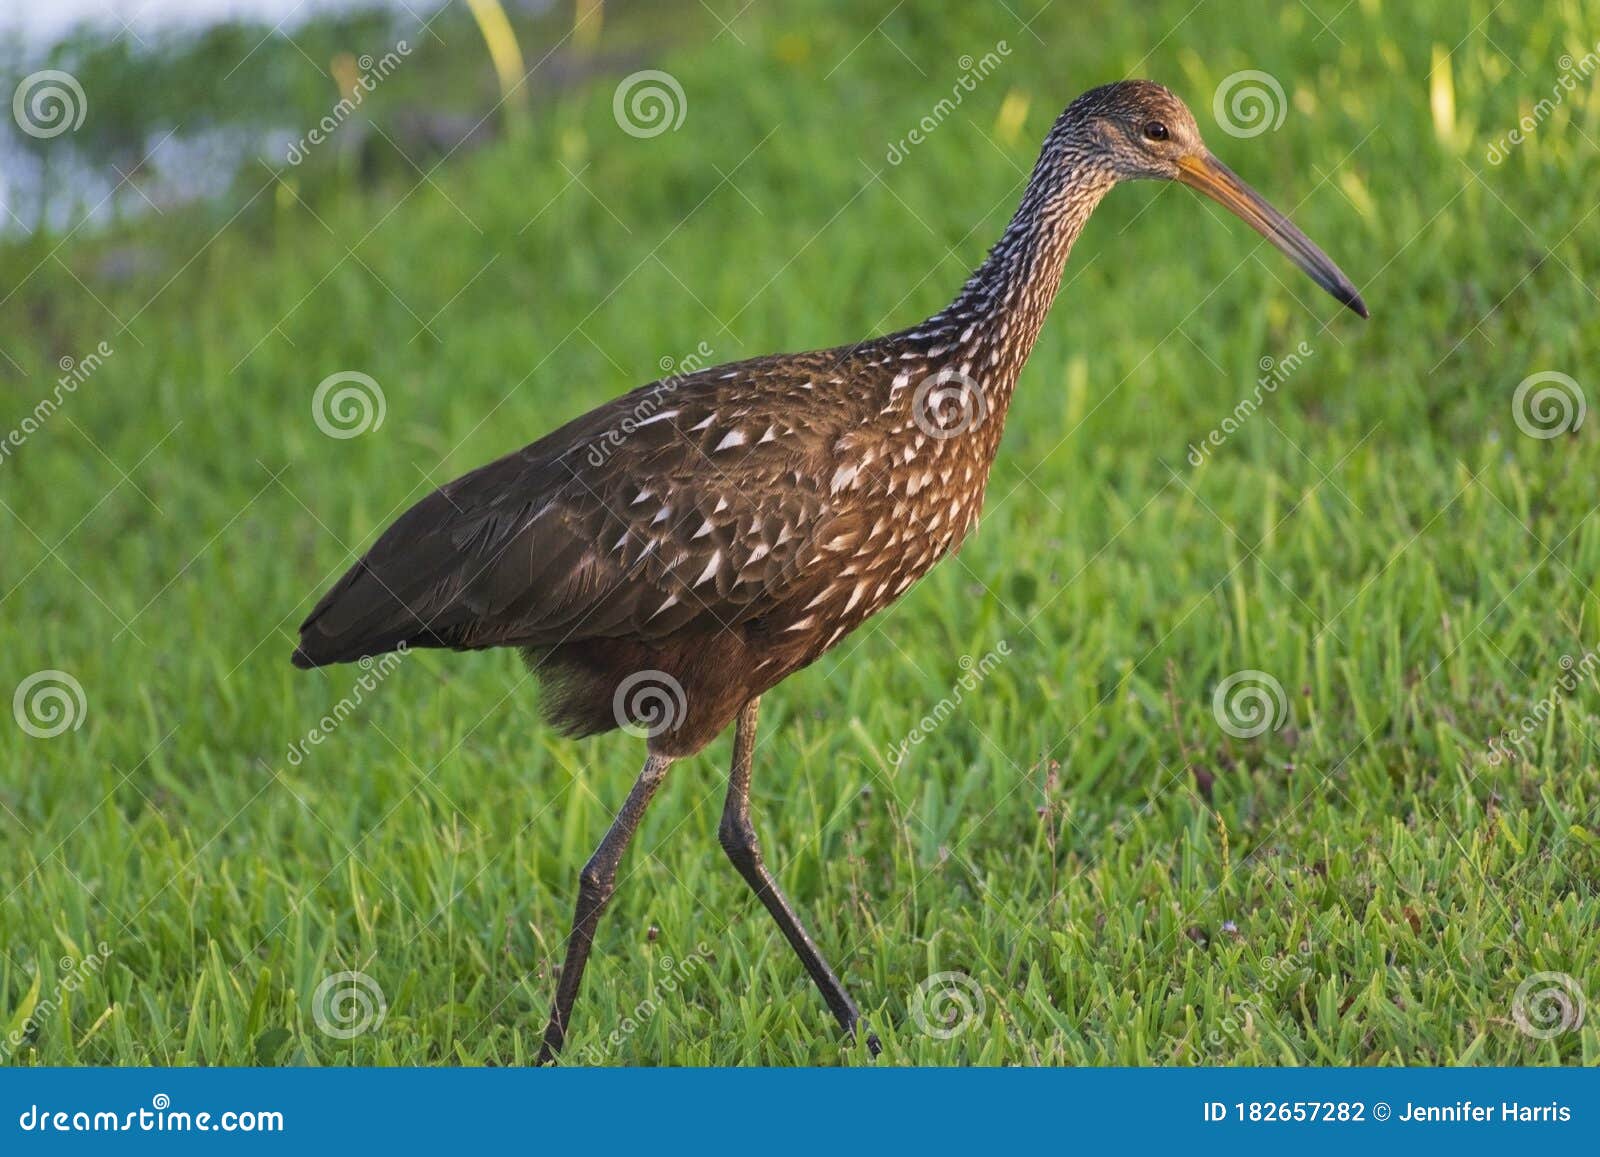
x=685, y=498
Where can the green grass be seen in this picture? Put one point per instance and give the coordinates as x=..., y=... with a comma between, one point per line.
x=1365, y=886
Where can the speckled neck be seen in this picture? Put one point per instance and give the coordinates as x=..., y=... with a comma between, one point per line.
x=1008, y=297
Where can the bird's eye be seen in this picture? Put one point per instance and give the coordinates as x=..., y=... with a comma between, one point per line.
x=1155, y=131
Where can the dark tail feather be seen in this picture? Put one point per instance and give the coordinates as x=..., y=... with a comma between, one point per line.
x=322, y=654
x=359, y=618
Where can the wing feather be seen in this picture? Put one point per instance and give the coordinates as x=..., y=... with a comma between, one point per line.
x=618, y=524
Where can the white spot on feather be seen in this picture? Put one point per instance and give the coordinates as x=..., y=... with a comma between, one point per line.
x=711, y=568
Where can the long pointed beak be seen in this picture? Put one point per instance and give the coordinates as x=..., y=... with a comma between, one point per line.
x=1211, y=177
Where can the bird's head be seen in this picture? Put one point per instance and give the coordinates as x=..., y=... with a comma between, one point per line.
x=1136, y=129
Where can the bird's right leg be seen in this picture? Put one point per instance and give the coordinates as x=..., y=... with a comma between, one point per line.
x=738, y=838
x=595, y=885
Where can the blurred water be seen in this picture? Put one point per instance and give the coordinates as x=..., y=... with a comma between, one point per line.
x=40, y=22
x=63, y=185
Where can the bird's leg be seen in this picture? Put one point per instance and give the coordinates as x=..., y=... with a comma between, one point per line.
x=738, y=839
x=596, y=883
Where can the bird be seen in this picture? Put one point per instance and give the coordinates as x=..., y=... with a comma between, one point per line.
x=665, y=560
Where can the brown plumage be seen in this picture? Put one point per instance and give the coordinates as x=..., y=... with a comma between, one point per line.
x=668, y=557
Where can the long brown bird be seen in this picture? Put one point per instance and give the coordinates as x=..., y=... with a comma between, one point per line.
x=664, y=560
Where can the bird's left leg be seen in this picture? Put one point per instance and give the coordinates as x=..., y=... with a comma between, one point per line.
x=738, y=838
x=595, y=885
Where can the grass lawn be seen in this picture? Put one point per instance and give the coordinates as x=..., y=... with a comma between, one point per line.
x=1369, y=881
